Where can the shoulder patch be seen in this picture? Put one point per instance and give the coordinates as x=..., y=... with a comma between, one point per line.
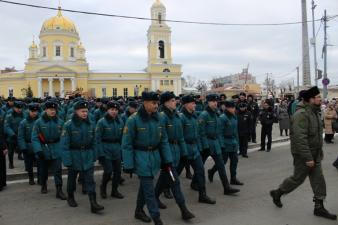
x=125, y=130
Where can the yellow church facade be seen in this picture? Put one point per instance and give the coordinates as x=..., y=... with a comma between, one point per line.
x=57, y=65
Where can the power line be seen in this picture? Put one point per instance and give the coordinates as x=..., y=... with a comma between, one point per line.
x=149, y=19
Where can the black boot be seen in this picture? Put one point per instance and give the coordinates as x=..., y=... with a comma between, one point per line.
x=321, y=211
x=158, y=221
x=116, y=194
x=161, y=205
x=228, y=190
x=94, y=207
x=84, y=191
x=234, y=181
x=211, y=175
x=103, y=190
x=31, y=178
x=141, y=215
x=186, y=214
x=60, y=194
x=167, y=194
x=44, y=188
x=194, y=186
x=122, y=180
x=20, y=156
x=71, y=200
x=188, y=173
x=11, y=165
x=203, y=198
x=335, y=164
x=276, y=195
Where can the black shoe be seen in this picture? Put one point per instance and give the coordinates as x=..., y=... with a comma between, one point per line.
x=158, y=221
x=161, y=205
x=141, y=215
x=188, y=175
x=262, y=150
x=321, y=211
x=245, y=156
x=254, y=141
x=94, y=206
x=234, y=181
x=44, y=189
x=167, y=194
x=31, y=179
x=116, y=194
x=103, y=191
x=122, y=180
x=203, y=198
x=71, y=200
x=230, y=191
x=11, y=166
x=269, y=150
x=335, y=164
x=276, y=195
x=60, y=194
x=186, y=214
x=84, y=191
x=20, y=157
x=194, y=186
x=210, y=176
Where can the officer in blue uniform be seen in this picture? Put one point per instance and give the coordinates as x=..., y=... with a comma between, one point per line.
x=25, y=139
x=130, y=110
x=211, y=135
x=174, y=129
x=12, y=120
x=108, y=136
x=46, y=145
x=3, y=151
x=79, y=154
x=192, y=140
x=144, y=148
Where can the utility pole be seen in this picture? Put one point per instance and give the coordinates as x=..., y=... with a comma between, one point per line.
x=314, y=42
x=267, y=85
x=297, y=79
x=325, y=79
x=305, y=47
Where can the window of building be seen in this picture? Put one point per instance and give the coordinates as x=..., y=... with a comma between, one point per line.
x=92, y=92
x=160, y=18
x=114, y=92
x=45, y=94
x=125, y=92
x=161, y=49
x=44, y=51
x=162, y=82
x=166, y=82
x=146, y=89
x=10, y=92
x=58, y=51
x=171, y=82
x=166, y=71
x=104, y=92
x=72, y=52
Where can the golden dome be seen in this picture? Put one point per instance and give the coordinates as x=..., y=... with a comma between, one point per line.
x=33, y=45
x=59, y=22
x=157, y=3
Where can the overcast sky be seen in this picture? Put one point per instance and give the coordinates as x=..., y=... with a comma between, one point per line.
x=204, y=51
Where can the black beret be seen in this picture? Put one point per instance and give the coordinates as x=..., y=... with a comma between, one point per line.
x=187, y=99
x=19, y=104
x=133, y=104
x=150, y=96
x=166, y=96
x=311, y=93
x=81, y=104
x=51, y=105
x=11, y=98
x=242, y=105
x=242, y=94
x=34, y=107
x=212, y=97
x=229, y=104
x=113, y=104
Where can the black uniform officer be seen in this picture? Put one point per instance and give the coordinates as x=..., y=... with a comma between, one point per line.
x=244, y=121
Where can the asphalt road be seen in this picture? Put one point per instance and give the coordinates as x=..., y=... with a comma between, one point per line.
x=23, y=204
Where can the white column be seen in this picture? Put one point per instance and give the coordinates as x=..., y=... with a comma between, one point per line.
x=179, y=86
x=73, y=84
x=50, y=87
x=153, y=84
x=62, y=87
x=39, y=87
x=158, y=84
x=175, y=86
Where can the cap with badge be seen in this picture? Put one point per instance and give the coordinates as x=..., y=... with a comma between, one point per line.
x=166, y=96
x=113, y=105
x=230, y=104
x=150, y=96
x=11, y=99
x=212, y=97
x=133, y=104
x=34, y=107
x=82, y=104
x=51, y=105
x=19, y=104
x=187, y=99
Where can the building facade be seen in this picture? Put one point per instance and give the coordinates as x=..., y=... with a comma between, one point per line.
x=237, y=80
x=57, y=65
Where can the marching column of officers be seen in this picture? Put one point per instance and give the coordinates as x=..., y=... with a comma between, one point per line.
x=156, y=137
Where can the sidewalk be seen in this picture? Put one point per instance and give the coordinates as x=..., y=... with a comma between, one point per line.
x=19, y=173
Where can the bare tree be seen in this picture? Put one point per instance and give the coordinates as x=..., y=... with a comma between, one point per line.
x=202, y=86
x=190, y=81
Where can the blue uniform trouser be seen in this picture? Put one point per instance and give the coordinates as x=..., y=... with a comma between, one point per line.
x=29, y=161
x=220, y=167
x=146, y=196
x=165, y=181
x=198, y=167
x=88, y=180
x=55, y=166
x=109, y=167
x=233, y=156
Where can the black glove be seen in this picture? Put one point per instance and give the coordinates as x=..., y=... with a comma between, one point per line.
x=40, y=155
x=184, y=159
x=101, y=159
x=129, y=171
x=166, y=166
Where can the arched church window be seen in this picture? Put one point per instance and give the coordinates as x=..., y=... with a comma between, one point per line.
x=166, y=70
x=161, y=49
x=58, y=51
x=44, y=51
x=160, y=18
